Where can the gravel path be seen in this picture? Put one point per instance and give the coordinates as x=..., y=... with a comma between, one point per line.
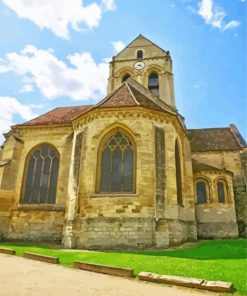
x=24, y=277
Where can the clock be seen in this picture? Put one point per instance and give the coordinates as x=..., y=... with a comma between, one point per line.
x=139, y=65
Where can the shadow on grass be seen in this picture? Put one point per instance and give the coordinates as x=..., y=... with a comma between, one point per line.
x=209, y=250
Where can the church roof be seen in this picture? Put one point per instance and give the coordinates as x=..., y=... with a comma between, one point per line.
x=203, y=164
x=132, y=93
x=215, y=139
x=60, y=115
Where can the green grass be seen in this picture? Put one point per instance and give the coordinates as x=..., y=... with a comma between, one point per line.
x=211, y=260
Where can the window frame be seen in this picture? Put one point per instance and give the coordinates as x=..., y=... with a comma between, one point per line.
x=105, y=138
x=225, y=190
x=156, y=87
x=137, y=53
x=25, y=174
x=207, y=188
x=179, y=178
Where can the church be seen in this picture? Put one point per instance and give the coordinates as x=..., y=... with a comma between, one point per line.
x=126, y=172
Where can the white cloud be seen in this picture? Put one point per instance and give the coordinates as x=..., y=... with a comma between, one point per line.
x=109, y=4
x=214, y=15
x=26, y=88
x=118, y=45
x=231, y=25
x=10, y=107
x=83, y=79
x=58, y=16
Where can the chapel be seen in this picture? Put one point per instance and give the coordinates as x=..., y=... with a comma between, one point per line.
x=125, y=172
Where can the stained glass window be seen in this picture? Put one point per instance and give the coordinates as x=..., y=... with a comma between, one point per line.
x=201, y=192
x=153, y=84
x=117, y=164
x=40, y=182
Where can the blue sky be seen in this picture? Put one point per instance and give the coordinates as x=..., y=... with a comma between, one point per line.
x=56, y=53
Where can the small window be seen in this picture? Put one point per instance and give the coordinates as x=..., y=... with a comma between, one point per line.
x=125, y=77
x=139, y=54
x=221, y=192
x=153, y=83
x=201, y=192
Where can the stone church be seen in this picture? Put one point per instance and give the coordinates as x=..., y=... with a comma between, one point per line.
x=126, y=172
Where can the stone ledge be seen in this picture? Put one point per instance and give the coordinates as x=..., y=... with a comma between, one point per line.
x=114, y=195
x=41, y=207
x=7, y=251
x=217, y=286
x=104, y=269
x=43, y=258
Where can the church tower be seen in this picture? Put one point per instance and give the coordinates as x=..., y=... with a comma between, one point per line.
x=148, y=64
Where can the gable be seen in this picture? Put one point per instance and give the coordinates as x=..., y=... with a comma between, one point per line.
x=140, y=43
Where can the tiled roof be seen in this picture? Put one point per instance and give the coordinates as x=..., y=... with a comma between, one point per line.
x=132, y=93
x=60, y=115
x=214, y=139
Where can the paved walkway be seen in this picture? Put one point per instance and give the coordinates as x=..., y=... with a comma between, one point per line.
x=25, y=277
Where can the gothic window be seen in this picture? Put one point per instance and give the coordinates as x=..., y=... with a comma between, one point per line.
x=153, y=83
x=41, y=174
x=125, y=77
x=178, y=174
x=117, y=164
x=221, y=191
x=201, y=191
x=139, y=54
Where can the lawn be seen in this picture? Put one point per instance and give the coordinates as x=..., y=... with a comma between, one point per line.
x=211, y=260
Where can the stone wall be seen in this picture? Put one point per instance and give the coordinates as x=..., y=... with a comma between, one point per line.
x=35, y=224
x=216, y=221
x=240, y=195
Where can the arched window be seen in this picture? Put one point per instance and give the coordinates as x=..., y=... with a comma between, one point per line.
x=221, y=191
x=117, y=164
x=202, y=192
x=125, y=77
x=178, y=174
x=41, y=173
x=153, y=83
x=139, y=54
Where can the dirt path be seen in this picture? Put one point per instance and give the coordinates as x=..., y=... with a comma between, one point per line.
x=24, y=277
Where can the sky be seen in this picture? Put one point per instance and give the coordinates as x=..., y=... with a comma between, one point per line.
x=56, y=53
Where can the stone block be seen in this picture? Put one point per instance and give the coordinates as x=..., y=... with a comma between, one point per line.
x=7, y=251
x=124, y=272
x=43, y=258
x=217, y=286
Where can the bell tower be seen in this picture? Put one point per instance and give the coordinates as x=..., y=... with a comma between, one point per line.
x=148, y=64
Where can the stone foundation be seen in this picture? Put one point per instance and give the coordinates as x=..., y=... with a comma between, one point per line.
x=31, y=225
x=217, y=230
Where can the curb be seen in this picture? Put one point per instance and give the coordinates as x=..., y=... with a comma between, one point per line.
x=43, y=258
x=7, y=251
x=217, y=286
x=123, y=272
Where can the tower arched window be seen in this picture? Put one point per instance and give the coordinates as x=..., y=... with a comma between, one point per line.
x=202, y=191
x=125, y=77
x=221, y=191
x=153, y=83
x=117, y=164
x=41, y=174
x=139, y=54
x=178, y=174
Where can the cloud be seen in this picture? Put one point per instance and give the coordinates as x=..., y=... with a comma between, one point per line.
x=10, y=107
x=214, y=15
x=109, y=4
x=82, y=79
x=59, y=16
x=118, y=45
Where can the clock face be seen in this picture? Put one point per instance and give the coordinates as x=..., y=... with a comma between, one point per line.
x=139, y=65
